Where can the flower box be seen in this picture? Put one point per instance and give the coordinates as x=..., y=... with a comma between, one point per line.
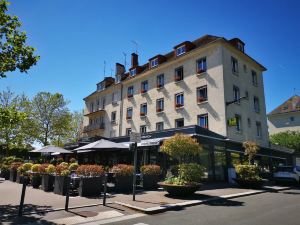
x=159, y=110
x=61, y=184
x=90, y=186
x=47, y=182
x=5, y=174
x=201, y=99
x=177, y=105
x=178, y=78
x=123, y=183
x=129, y=95
x=128, y=117
x=142, y=114
x=159, y=85
x=143, y=91
x=201, y=71
x=19, y=178
x=36, y=180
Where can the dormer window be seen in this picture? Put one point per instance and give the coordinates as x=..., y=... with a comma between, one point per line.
x=100, y=86
x=118, y=79
x=133, y=72
x=154, y=62
x=180, y=50
x=240, y=46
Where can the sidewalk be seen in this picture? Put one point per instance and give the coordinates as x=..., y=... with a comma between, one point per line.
x=158, y=201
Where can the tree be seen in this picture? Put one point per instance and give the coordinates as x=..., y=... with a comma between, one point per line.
x=14, y=53
x=251, y=149
x=288, y=139
x=50, y=117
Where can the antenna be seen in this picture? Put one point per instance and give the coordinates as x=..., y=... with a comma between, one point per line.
x=125, y=63
x=294, y=91
x=104, y=67
x=136, y=46
x=111, y=71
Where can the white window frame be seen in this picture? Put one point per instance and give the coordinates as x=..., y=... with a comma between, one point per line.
x=113, y=120
x=143, y=129
x=199, y=97
x=160, y=104
x=143, y=109
x=256, y=104
x=258, y=129
x=205, y=116
x=133, y=72
x=182, y=73
x=160, y=124
x=201, y=65
x=160, y=80
x=254, y=78
x=238, y=126
x=181, y=100
x=180, y=50
x=154, y=63
x=234, y=65
x=128, y=131
x=128, y=110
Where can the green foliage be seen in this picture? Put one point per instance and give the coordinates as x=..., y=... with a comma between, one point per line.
x=35, y=168
x=122, y=170
x=150, y=169
x=72, y=160
x=191, y=172
x=65, y=173
x=288, y=139
x=27, y=166
x=14, y=53
x=50, y=169
x=247, y=172
x=181, y=147
x=251, y=149
x=59, y=160
x=73, y=166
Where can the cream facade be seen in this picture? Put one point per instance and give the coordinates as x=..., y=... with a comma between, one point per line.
x=284, y=122
x=217, y=81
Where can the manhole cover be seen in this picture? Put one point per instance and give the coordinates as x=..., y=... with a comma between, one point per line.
x=87, y=213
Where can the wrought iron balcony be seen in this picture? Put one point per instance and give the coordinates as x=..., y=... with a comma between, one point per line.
x=92, y=127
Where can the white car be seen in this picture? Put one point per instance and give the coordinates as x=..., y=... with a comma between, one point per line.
x=287, y=173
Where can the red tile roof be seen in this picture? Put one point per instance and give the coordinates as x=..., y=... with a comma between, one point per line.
x=291, y=105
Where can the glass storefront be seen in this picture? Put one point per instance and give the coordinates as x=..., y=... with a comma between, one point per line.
x=220, y=165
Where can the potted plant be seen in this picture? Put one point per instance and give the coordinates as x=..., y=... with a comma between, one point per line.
x=158, y=109
x=201, y=99
x=47, y=171
x=61, y=180
x=91, y=177
x=247, y=173
x=36, y=179
x=143, y=91
x=129, y=95
x=201, y=70
x=159, y=85
x=123, y=175
x=150, y=176
x=73, y=167
x=23, y=171
x=4, y=171
x=13, y=171
x=188, y=175
x=178, y=105
x=142, y=114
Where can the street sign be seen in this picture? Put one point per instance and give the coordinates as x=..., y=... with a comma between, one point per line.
x=135, y=137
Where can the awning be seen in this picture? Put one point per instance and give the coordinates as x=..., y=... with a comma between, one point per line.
x=100, y=145
x=147, y=142
x=51, y=149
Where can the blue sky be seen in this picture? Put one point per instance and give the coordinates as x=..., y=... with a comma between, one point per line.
x=75, y=37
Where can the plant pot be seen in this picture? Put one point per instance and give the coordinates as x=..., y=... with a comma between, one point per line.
x=47, y=182
x=5, y=174
x=123, y=183
x=180, y=190
x=36, y=181
x=60, y=185
x=13, y=175
x=90, y=186
x=150, y=181
x=249, y=183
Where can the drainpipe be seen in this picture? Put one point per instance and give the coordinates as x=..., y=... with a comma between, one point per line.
x=121, y=111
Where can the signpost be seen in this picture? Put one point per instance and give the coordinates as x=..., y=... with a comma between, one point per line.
x=136, y=138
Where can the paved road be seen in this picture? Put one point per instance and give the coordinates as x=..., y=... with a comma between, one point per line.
x=265, y=209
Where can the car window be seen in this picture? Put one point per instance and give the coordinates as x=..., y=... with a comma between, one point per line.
x=284, y=169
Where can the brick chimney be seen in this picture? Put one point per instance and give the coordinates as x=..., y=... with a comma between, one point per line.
x=134, y=60
x=120, y=69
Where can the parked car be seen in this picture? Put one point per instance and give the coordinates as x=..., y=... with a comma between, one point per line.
x=287, y=173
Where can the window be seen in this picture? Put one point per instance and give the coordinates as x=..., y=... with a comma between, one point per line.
x=118, y=78
x=160, y=80
x=202, y=94
x=201, y=65
x=129, y=114
x=238, y=125
x=254, y=78
x=249, y=122
x=143, y=109
x=179, y=100
x=100, y=86
x=144, y=86
x=133, y=72
x=236, y=94
x=98, y=104
x=112, y=133
x=103, y=103
x=128, y=131
x=258, y=129
x=256, y=104
x=179, y=122
x=180, y=50
x=240, y=46
x=114, y=98
x=113, y=116
x=160, y=105
x=159, y=126
x=245, y=68
x=179, y=74
x=130, y=92
x=154, y=62
x=92, y=107
x=203, y=121
x=234, y=65
x=143, y=129
x=292, y=118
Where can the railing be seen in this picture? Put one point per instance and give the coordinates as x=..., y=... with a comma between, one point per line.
x=95, y=111
x=91, y=127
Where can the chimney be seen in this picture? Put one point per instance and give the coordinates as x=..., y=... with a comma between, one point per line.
x=120, y=69
x=134, y=60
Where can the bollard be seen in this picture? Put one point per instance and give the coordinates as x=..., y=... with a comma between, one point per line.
x=25, y=182
x=105, y=189
x=67, y=195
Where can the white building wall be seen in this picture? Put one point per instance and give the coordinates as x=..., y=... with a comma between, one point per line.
x=284, y=122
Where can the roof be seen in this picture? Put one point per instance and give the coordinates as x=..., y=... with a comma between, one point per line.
x=291, y=105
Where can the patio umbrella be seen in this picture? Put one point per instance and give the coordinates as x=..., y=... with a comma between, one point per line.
x=51, y=149
x=101, y=144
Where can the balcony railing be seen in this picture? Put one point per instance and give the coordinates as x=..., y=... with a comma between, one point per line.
x=95, y=111
x=92, y=127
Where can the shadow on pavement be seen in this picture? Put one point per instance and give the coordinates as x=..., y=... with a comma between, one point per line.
x=224, y=202
x=26, y=220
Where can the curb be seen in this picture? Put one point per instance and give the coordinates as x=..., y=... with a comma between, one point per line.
x=167, y=207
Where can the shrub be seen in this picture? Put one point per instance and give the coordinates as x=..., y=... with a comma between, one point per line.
x=72, y=160
x=191, y=172
x=122, y=169
x=247, y=172
x=150, y=170
x=53, y=162
x=64, y=164
x=18, y=160
x=65, y=173
x=50, y=169
x=59, y=160
x=27, y=166
x=73, y=166
x=4, y=168
x=90, y=170
x=35, y=168
x=42, y=168
x=15, y=165
x=251, y=149
x=60, y=168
